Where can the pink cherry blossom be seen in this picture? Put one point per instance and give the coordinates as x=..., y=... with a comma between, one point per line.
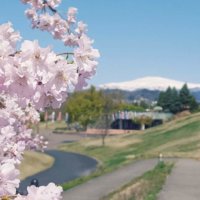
x=33, y=78
x=50, y=192
x=71, y=14
x=81, y=28
x=8, y=177
x=54, y=3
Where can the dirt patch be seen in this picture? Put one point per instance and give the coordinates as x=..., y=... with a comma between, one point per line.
x=93, y=131
x=112, y=142
x=136, y=190
x=182, y=114
x=124, y=143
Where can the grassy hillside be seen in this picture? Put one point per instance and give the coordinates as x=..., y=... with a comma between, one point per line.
x=179, y=138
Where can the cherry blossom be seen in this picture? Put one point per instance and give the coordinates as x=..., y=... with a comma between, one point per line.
x=71, y=14
x=33, y=78
x=9, y=180
x=50, y=192
x=70, y=32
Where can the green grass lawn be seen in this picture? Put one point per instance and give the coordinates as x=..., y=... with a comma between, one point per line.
x=177, y=138
x=52, y=125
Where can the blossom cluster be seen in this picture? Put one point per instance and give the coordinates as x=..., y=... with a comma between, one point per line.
x=35, y=75
x=50, y=192
x=15, y=137
x=69, y=31
x=32, y=79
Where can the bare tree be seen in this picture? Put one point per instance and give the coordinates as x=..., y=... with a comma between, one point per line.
x=105, y=119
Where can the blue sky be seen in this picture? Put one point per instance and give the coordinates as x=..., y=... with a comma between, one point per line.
x=136, y=38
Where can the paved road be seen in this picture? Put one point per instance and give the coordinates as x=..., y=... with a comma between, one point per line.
x=184, y=182
x=103, y=185
x=67, y=166
x=56, y=139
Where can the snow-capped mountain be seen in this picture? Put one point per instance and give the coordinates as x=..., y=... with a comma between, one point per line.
x=149, y=83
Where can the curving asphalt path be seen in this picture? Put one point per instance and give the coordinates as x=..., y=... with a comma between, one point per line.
x=97, y=188
x=182, y=184
x=67, y=166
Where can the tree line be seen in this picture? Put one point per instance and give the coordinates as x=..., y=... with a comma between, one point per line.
x=92, y=107
x=176, y=101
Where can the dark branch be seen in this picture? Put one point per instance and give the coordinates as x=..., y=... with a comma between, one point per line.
x=52, y=9
x=65, y=53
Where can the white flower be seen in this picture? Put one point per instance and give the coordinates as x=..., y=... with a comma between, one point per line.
x=8, y=179
x=49, y=192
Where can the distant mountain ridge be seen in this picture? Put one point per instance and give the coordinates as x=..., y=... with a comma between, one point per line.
x=148, y=88
x=151, y=95
x=150, y=83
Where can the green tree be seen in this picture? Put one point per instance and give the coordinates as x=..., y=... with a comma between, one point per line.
x=193, y=104
x=85, y=106
x=130, y=107
x=161, y=99
x=174, y=101
x=164, y=99
x=187, y=101
x=185, y=97
x=105, y=119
